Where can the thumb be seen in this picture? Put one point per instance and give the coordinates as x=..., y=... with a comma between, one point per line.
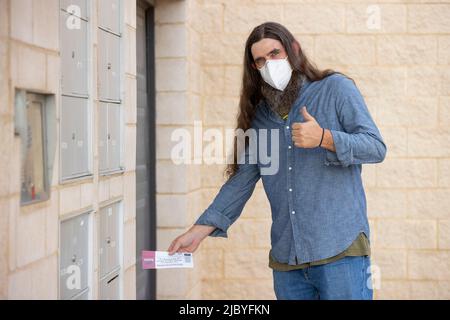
x=176, y=244
x=306, y=115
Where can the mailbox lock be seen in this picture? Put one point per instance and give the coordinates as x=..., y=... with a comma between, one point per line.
x=74, y=258
x=109, y=66
x=108, y=240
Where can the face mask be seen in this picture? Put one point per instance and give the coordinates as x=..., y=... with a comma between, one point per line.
x=277, y=73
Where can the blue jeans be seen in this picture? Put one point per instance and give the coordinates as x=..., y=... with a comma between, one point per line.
x=345, y=279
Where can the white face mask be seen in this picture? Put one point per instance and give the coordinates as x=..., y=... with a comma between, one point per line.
x=277, y=73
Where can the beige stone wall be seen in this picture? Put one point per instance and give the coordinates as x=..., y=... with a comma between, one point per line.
x=178, y=97
x=402, y=68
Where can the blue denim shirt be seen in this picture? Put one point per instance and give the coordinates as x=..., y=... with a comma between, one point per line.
x=317, y=199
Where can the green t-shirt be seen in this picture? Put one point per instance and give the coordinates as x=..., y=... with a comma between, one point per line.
x=359, y=247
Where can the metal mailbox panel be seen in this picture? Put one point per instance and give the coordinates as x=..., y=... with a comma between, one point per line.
x=102, y=242
x=108, y=66
x=103, y=136
x=74, y=256
x=113, y=234
x=74, y=137
x=67, y=136
x=82, y=128
x=114, y=128
x=73, y=56
x=110, y=288
x=114, y=72
x=103, y=64
x=109, y=239
x=75, y=7
x=109, y=15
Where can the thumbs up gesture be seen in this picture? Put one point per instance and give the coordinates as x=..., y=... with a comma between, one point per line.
x=306, y=134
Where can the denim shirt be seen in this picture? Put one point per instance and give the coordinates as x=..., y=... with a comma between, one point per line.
x=317, y=199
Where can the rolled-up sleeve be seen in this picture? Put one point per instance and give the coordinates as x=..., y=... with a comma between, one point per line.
x=361, y=141
x=229, y=202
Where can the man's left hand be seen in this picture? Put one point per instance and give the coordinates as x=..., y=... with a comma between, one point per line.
x=306, y=134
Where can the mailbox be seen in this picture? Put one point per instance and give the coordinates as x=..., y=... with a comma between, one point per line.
x=103, y=136
x=74, y=39
x=114, y=125
x=108, y=66
x=109, y=136
x=109, y=288
x=74, y=256
x=75, y=133
x=109, y=239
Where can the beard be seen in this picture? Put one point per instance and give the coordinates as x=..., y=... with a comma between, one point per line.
x=282, y=101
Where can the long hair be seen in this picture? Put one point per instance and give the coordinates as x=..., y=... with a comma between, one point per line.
x=250, y=94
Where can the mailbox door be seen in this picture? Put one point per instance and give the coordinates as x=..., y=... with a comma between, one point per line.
x=114, y=142
x=74, y=64
x=109, y=239
x=108, y=66
x=82, y=128
x=75, y=132
x=67, y=137
x=103, y=250
x=114, y=63
x=113, y=235
x=103, y=65
x=109, y=15
x=74, y=256
x=103, y=136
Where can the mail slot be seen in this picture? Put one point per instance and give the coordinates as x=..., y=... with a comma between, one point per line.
x=74, y=256
x=109, y=239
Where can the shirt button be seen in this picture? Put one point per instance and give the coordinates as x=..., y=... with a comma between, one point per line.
x=290, y=190
x=293, y=212
x=290, y=168
x=290, y=147
x=287, y=127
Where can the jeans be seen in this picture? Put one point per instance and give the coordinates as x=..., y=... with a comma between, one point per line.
x=345, y=279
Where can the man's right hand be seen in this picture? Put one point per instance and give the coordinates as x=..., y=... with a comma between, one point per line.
x=191, y=239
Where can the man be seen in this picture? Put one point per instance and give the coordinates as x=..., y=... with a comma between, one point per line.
x=320, y=232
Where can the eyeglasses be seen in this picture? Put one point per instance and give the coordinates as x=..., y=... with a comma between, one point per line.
x=274, y=54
